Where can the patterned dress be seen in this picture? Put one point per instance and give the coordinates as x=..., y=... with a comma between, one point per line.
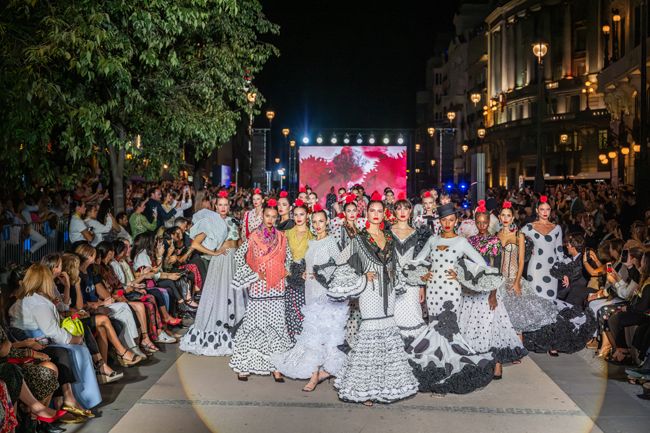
x=251, y=222
x=221, y=308
x=295, y=290
x=547, y=249
x=323, y=328
x=263, y=331
x=376, y=368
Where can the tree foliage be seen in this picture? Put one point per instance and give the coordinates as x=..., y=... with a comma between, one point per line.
x=89, y=75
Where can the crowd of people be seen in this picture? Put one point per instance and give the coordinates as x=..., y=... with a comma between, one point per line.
x=388, y=296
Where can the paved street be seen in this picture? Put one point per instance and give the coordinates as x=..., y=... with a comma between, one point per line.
x=199, y=394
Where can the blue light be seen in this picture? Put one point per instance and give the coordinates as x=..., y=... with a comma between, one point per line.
x=305, y=140
x=449, y=186
x=463, y=186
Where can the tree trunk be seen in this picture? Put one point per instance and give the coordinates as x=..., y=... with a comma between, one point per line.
x=116, y=157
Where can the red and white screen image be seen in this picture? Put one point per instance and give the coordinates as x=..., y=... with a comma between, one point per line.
x=374, y=167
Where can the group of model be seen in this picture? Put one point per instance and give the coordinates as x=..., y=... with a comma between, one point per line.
x=387, y=299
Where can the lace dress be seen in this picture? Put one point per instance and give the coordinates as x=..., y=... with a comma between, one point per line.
x=376, y=368
x=323, y=327
x=221, y=308
x=263, y=331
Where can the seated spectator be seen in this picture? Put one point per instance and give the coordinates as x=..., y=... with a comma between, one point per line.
x=78, y=230
x=99, y=228
x=138, y=221
x=123, y=223
x=638, y=235
x=574, y=288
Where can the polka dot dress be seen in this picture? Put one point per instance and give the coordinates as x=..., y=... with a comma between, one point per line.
x=547, y=249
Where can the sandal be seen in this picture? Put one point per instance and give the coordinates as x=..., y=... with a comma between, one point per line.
x=173, y=322
x=76, y=411
x=102, y=377
x=149, y=348
x=135, y=359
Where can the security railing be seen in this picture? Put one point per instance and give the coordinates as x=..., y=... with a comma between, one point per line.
x=25, y=243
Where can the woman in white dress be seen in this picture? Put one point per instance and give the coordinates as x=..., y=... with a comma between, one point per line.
x=442, y=360
x=376, y=369
x=221, y=308
x=262, y=263
x=408, y=244
x=316, y=355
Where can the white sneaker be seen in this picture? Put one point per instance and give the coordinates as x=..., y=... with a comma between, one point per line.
x=165, y=338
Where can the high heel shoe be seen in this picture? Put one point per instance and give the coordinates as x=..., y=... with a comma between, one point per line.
x=242, y=377
x=49, y=420
x=135, y=359
x=173, y=322
x=278, y=379
x=553, y=353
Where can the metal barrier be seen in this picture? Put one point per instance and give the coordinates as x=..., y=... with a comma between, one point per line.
x=19, y=245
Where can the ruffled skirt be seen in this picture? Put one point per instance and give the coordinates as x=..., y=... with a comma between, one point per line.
x=528, y=311
x=376, y=369
x=323, y=330
x=295, y=299
x=220, y=311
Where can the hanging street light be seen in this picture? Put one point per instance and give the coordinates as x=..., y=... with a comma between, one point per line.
x=475, y=98
x=431, y=131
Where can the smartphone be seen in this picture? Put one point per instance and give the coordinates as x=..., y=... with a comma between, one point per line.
x=609, y=267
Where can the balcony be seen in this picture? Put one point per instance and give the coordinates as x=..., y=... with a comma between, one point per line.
x=622, y=67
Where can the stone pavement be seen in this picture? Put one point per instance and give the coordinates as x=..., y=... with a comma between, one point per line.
x=199, y=394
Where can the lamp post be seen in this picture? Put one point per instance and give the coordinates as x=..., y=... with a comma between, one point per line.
x=292, y=165
x=587, y=91
x=606, y=29
x=270, y=115
x=464, y=148
x=475, y=98
x=451, y=115
x=564, y=139
x=539, y=50
x=616, y=19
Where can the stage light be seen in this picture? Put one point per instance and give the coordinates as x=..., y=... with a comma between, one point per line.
x=346, y=139
x=371, y=140
x=463, y=186
x=359, y=139
x=305, y=140
x=319, y=140
x=400, y=140
x=334, y=140
x=386, y=140
x=449, y=186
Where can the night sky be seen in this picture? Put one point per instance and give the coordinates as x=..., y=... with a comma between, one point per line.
x=349, y=64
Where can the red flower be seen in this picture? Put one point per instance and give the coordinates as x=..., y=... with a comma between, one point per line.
x=382, y=226
x=341, y=215
x=367, y=225
x=223, y=194
x=350, y=198
x=481, y=207
x=375, y=196
x=388, y=172
x=402, y=195
x=507, y=204
x=426, y=194
x=298, y=203
x=284, y=194
x=317, y=208
x=272, y=203
x=302, y=188
x=543, y=199
x=257, y=191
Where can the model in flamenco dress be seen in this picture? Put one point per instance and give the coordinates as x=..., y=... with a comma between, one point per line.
x=572, y=327
x=262, y=263
x=298, y=239
x=221, y=309
x=428, y=218
x=408, y=244
x=376, y=368
x=443, y=361
x=316, y=355
x=253, y=218
x=343, y=229
x=284, y=213
x=484, y=320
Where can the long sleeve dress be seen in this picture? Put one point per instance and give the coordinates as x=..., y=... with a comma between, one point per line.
x=323, y=328
x=442, y=359
x=263, y=330
x=295, y=290
x=376, y=368
x=221, y=307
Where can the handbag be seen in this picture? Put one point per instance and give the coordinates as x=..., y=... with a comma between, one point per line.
x=73, y=325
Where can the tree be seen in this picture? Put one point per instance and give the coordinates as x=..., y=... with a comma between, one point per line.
x=96, y=74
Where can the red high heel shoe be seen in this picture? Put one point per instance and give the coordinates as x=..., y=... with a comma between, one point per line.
x=174, y=322
x=59, y=414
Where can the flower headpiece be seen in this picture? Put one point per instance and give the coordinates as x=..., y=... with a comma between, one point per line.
x=302, y=189
x=317, y=208
x=284, y=194
x=543, y=199
x=272, y=202
x=427, y=194
x=507, y=204
x=257, y=191
x=402, y=195
x=223, y=194
x=375, y=196
x=350, y=198
x=481, y=207
x=298, y=203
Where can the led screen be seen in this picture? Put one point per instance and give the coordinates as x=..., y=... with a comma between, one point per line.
x=375, y=167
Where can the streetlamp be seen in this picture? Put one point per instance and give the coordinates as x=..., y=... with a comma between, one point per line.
x=587, y=91
x=480, y=132
x=616, y=19
x=451, y=115
x=431, y=131
x=540, y=49
x=606, y=29
x=417, y=147
x=270, y=115
x=277, y=160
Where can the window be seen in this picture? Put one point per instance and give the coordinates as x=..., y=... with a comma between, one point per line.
x=602, y=139
x=580, y=39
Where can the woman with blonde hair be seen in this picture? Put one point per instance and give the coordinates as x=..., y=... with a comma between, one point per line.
x=35, y=313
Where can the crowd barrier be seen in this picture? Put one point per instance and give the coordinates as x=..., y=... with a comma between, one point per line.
x=20, y=244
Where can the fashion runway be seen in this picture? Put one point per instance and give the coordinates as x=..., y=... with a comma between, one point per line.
x=201, y=394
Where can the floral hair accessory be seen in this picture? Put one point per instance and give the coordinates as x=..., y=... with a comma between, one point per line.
x=341, y=215
x=427, y=194
x=257, y=191
x=284, y=194
x=302, y=189
x=272, y=203
x=318, y=208
x=350, y=198
x=507, y=204
x=298, y=203
x=367, y=225
x=543, y=199
x=375, y=196
x=402, y=196
x=223, y=194
x=481, y=207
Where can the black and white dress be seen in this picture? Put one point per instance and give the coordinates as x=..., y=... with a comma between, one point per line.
x=408, y=311
x=221, y=308
x=547, y=250
x=376, y=369
x=323, y=327
x=442, y=359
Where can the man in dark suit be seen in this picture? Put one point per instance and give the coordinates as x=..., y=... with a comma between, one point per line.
x=577, y=206
x=573, y=282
